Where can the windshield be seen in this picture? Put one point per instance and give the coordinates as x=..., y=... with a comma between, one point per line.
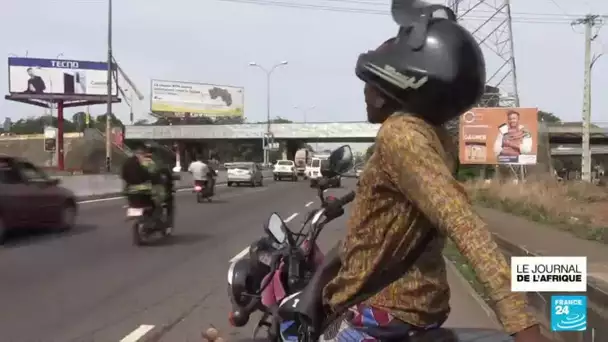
x=316, y=163
x=285, y=163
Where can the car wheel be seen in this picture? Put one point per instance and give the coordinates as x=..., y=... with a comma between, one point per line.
x=3, y=232
x=252, y=184
x=229, y=184
x=276, y=178
x=68, y=214
x=261, y=181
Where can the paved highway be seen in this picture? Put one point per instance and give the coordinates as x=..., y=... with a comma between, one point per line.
x=93, y=285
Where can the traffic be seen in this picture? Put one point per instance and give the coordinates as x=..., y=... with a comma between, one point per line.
x=115, y=290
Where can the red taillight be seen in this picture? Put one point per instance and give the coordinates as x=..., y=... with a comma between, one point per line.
x=331, y=198
x=198, y=188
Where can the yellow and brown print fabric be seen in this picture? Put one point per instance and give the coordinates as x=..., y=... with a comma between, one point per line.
x=406, y=189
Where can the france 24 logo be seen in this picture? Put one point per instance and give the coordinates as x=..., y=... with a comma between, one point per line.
x=568, y=313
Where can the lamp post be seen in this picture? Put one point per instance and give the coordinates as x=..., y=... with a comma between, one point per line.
x=109, y=90
x=268, y=74
x=304, y=110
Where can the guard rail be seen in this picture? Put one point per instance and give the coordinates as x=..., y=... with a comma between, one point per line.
x=108, y=185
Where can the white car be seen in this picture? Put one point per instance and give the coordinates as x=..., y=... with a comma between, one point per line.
x=285, y=169
x=244, y=173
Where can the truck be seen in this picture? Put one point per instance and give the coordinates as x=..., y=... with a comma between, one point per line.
x=301, y=159
x=319, y=161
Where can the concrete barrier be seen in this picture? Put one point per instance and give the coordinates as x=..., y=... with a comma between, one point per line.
x=97, y=186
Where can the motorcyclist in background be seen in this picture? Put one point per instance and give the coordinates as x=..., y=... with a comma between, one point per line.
x=408, y=189
x=142, y=175
x=199, y=171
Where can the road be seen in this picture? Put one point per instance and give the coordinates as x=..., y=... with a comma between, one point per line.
x=93, y=285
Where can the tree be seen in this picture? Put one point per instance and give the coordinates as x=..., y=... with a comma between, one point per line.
x=100, y=122
x=277, y=120
x=548, y=117
x=229, y=120
x=35, y=125
x=142, y=122
x=370, y=151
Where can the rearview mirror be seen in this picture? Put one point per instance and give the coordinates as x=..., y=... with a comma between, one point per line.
x=276, y=228
x=340, y=161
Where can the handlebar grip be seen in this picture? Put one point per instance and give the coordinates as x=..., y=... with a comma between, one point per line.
x=349, y=197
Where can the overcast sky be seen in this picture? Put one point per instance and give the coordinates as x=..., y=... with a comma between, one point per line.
x=213, y=41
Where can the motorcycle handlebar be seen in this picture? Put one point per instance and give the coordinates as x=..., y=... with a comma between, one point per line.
x=344, y=200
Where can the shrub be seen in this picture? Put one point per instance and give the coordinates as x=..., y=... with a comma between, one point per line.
x=578, y=207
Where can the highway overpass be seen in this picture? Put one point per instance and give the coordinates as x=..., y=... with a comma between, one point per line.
x=347, y=132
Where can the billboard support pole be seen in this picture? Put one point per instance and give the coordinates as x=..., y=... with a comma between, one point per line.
x=60, y=155
x=109, y=90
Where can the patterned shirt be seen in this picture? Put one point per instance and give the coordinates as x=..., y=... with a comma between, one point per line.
x=406, y=189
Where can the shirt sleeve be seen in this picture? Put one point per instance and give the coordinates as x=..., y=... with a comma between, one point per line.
x=498, y=143
x=526, y=145
x=414, y=160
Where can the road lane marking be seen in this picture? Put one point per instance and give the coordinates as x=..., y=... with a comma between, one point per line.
x=240, y=255
x=138, y=333
x=291, y=217
x=309, y=204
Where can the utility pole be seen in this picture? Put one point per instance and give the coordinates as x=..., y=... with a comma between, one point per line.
x=589, y=21
x=109, y=89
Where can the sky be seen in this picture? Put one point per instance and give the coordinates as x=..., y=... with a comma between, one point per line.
x=213, y=41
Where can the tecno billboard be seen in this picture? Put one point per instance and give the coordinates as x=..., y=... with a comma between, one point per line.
x=499, y=136
x=196, y=98
x=58, y=77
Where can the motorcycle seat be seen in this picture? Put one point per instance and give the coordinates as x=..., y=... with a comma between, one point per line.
x=308, y=303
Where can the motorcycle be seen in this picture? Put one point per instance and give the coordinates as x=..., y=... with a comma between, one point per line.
x=203, y=192
x=148, y=220
x=284, y=279
x=282, y=262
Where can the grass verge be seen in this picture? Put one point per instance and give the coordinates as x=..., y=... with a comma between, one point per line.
x=465, y=269
x=576, y=207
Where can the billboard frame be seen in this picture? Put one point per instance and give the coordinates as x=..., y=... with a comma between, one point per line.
x=61, y=101
x=197, y=83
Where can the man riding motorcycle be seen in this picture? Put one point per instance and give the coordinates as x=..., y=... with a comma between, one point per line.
x=143, y=177
x=414, y=83
x=200, y=172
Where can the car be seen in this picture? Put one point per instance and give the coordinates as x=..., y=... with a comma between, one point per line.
x=314, y=173
x=358, y=172
x=30, y=198
x=244, y=173
x=285, y=169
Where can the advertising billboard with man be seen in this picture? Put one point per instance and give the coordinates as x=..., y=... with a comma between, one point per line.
x=39, y=76
x=499, y=136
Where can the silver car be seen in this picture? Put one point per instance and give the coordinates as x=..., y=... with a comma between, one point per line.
x=244, y=173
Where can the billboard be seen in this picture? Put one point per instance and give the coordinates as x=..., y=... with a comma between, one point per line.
x=499, y=136
x=196, y=98
x=38, y=76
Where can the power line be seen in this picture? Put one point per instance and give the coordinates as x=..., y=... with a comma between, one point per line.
x=523, y=18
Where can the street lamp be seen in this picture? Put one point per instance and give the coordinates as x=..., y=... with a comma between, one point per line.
x=304, y=110
x=268, y=74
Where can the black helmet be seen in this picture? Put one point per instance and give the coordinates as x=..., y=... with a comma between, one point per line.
x=145, y=147
x=433, y=67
